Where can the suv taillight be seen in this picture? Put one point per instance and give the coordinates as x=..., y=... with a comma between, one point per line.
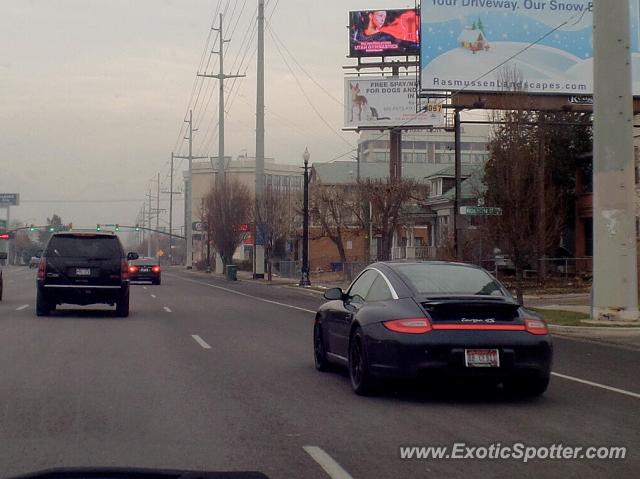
x=124, y=271
x=42, y=268
x=156, y=269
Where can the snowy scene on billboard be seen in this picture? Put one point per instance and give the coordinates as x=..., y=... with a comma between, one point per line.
x=462, y=40
x=379, y=33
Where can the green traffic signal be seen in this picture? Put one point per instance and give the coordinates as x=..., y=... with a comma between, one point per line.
x=98, y=228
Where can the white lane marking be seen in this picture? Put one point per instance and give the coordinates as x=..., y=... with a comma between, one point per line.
x=153, y=296
x=597, y=385
x=144, y=287
x=284, y=305
x=200, y=341
x=22, y=308
x=330, y=466
x=168, y=310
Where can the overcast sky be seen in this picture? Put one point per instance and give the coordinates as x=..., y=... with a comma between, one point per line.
x=93, y=95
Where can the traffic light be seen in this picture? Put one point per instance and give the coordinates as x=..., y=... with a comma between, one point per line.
x=117, y=228
x=52, y=229
x=32, y=229
x=137, y=228
x=98, y=227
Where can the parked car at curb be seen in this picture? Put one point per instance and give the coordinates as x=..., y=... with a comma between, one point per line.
x=35, y=260
x=432, y=320
x=3, y=257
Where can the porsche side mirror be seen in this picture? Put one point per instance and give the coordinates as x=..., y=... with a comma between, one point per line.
x=334, y=294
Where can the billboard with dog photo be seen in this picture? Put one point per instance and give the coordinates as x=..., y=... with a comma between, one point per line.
x=385, y=102
x=384, y=33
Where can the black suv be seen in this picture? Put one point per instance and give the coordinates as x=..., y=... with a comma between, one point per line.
x=83, y=268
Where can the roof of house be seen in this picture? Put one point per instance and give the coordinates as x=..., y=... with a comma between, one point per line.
x=470, y=188
x=450, y=171
x=471, y=36
x=346, y=172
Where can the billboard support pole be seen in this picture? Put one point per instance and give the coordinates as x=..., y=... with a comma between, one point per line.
x=456, y=203
x=615, y=281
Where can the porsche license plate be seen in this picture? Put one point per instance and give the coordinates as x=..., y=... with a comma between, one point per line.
x=83, y=271
x=482, y=358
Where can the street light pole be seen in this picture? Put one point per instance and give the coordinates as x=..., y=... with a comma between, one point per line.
x=305, y=281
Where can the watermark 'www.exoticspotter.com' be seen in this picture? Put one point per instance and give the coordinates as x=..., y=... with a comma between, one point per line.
x=514, y=452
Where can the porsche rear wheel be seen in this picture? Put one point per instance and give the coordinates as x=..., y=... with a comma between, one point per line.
x=319, y=350
x=362, y=382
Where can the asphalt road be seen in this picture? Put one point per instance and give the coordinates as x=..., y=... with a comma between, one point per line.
x=211, y=375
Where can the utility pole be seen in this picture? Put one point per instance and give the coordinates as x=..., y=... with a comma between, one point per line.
x=171, y=193
x=144, y=221
x=157, y=215
x=221, y=77
x=615, y=281
x=188, y=196
x=457, y=226
x=171, y=213
x=258, y=250
x=149, y=195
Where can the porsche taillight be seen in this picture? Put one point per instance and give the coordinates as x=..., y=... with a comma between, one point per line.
x=156, y=269
x=409, y=326
x=42, y=268
x=537, y=327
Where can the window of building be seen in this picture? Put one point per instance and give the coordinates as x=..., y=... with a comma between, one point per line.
x=381, y=156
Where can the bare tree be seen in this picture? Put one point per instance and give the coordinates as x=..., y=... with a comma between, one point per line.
x=388, y=199
x=277, y=214
x=226, y=207
x=334, y=210
x=530, y=222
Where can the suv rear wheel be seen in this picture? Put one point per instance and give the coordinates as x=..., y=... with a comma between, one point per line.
x=43, y=307
x=122, y=306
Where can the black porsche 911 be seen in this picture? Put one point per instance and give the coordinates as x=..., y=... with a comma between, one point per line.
x=432, y=319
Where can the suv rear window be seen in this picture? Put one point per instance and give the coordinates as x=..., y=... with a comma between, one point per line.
x=91, y=247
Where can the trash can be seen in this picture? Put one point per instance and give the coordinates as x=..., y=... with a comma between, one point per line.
x=232, y=272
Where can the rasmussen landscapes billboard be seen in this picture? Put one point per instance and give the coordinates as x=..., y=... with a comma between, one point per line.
x=549, y=43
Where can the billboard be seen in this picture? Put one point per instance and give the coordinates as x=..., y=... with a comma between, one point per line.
x=549, y=43
x=9, y=199
x=374, y=102
x=384, y=33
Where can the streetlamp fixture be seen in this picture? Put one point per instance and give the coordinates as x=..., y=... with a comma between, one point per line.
x=305, y=281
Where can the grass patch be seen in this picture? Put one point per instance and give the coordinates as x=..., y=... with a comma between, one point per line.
x=570, y=318
x=563, y=318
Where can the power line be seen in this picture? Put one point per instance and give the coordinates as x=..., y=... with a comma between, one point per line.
x=304, y=93
x=319, y=85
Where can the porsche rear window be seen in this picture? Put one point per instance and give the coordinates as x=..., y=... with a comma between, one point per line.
x=449, y=279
